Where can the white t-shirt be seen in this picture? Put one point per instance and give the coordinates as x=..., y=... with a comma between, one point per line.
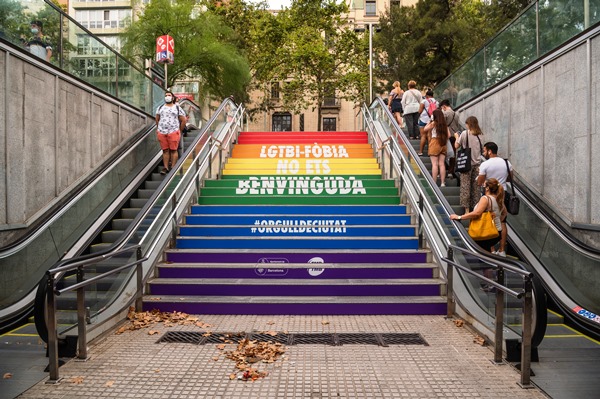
x=169, y=118
x=425, y=117
x=495, y=168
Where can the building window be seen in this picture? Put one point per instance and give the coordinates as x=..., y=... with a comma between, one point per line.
x=282, y=122
x=97, y=19
x=329, y=124
x=371, y=8
x=275, y=90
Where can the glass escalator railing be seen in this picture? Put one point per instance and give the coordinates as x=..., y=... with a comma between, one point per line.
x=571, y=270
x=78, y=52
x=542, y=27
x=418, y=188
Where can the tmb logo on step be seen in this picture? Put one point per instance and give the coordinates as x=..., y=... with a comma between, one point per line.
x=270, y=271
x=314, y=271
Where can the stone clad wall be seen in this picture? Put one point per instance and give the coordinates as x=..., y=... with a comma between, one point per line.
x=547, y=123
x=53, y=133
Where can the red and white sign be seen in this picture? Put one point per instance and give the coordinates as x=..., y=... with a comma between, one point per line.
x=165, y=49
x=188, y=96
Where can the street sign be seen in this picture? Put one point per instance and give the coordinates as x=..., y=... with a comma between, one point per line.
x=165, y=49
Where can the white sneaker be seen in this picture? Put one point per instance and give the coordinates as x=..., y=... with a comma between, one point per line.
x=500, y=253
x=443, y=185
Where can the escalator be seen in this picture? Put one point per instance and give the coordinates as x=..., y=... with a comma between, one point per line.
x=94, y=216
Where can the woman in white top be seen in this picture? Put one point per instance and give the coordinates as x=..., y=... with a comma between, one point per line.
x=411, y=101
x=472, y=138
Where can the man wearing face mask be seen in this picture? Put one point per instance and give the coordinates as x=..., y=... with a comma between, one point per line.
x=38, y=44
x=170, y=122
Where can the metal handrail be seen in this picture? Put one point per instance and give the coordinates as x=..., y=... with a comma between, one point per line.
x=424, y=208
x=53, y=292
x=526, y=296
x=120, y=247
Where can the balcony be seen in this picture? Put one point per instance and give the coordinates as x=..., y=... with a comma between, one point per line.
x=331, y=103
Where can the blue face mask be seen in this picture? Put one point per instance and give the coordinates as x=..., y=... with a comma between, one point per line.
x=35, y=31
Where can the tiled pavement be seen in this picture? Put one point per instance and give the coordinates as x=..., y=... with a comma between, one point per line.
x=132, y=365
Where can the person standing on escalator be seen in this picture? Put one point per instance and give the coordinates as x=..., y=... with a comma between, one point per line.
x=170, y=122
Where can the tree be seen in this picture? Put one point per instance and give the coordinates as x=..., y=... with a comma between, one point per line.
x=311, y=49
x=205, y=46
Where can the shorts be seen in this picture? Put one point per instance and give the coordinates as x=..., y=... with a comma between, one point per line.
x=422, y=124
x=169, y=141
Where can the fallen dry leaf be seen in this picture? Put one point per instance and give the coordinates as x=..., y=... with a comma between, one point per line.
x=232, y=376
x=459, y=323
x=157, y=370
x=221, y=347
x=109, y=383
x=155, y=298
x=324, y=322
x=7, y=376
x=270, y=323
x=215, y=358
x=271, y=333
x=153, y=332
x=479, y=340
x=76, y=380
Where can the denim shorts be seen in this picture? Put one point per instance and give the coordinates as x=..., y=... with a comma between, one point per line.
x=422, y=124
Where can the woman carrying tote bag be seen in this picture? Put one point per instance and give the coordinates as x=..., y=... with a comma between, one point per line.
x=471, y=138
x=492, y=202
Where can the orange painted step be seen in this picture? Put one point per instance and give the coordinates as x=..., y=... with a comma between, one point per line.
x=302, y=151
x=302, y=140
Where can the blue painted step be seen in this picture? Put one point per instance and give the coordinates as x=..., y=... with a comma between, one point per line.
x=239, y=219
x=278, y=230
x=296, y=243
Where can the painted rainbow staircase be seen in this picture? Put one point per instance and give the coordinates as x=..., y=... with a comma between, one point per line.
x=299, y=223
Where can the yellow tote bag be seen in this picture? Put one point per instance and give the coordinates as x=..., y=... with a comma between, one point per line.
x=483, y=228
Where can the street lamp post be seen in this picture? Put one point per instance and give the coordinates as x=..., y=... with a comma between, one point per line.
x=370, y=63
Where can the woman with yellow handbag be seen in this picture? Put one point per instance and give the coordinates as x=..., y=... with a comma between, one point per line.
x=485, y=224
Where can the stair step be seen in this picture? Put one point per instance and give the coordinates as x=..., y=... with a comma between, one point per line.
x=291, y=287
x=303, y=305
x=235, y=183
x=274, y=256
x=299, y=200
x=297, y=242
x=274, y=210
x=111, y=236
x=272, y=220
x=311, y=228
x=121, y=224
x=145, y=193
x=297, y=270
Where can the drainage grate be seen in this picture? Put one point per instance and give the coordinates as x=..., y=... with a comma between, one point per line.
x=358, y=339
x=313, y=339
x=224, y=338
x=182, y=337
x=386, y=339
x=280, y=338
x=403, y=339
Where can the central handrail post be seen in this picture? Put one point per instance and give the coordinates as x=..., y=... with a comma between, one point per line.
x=420, y=221
x=81, y=317
x=450, y=309
x=53, y=365
x=499, y=317
x=526, y=334
x=140, y=281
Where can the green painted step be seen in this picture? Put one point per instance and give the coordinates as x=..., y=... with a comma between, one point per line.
x=356, y=177
x=300, y=200
x=234, y=183
x=379, y=191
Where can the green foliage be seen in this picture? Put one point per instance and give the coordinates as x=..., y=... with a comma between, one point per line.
x=204, y=45
x=427, y=42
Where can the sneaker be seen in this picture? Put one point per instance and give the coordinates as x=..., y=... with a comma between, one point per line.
x=164, y=171
x=501, y=253
x=487, y=288
x=443, y=185
x=420, y=154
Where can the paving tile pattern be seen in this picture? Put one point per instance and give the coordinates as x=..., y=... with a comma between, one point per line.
x=133, y=365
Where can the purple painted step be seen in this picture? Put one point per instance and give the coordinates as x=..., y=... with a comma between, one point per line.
x=253, y=287
x=198, y=256
x=296, y=271
x=324, y=306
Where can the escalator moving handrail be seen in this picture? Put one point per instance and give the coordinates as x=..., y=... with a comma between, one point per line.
x=469, y=243
x=56, y=210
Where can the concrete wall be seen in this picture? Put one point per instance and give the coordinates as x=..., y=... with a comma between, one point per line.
x=53, y=133
x=547, y=123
